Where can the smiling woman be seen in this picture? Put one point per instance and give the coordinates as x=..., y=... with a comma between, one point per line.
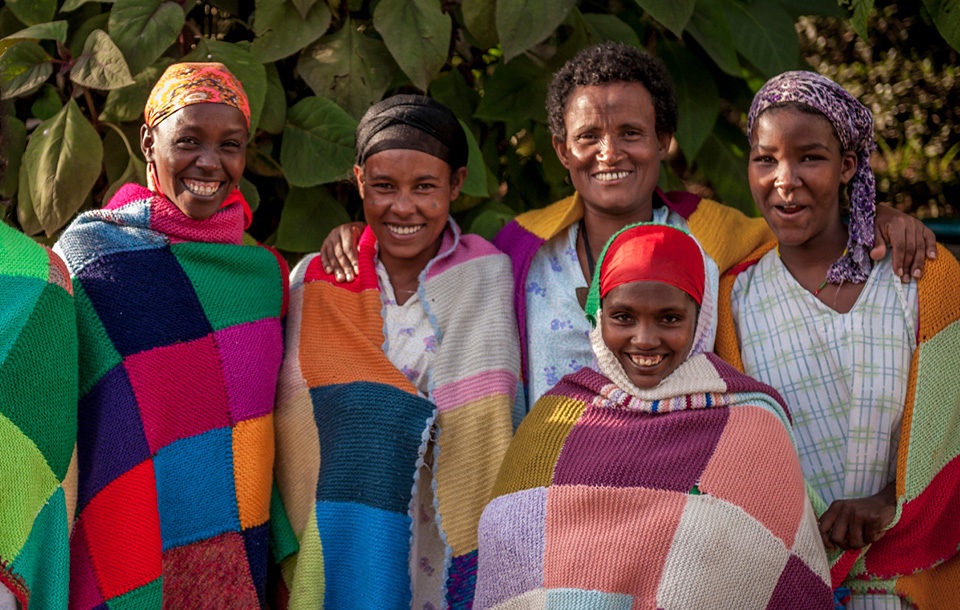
x=180, y=331
x=397, y=389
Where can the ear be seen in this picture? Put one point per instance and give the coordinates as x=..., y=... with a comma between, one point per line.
x=663, y=140
x=456, y=182
x=147, y=141
x=848, y=166
x=358, y=174
x=560, y=146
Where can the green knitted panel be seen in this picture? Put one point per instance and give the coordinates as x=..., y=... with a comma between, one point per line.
x=18, y=295
x=935, y=437
x=147, y=597
x=98, y=356
x=283, y=541
x=39, y=389
x=45, y=559
x=25, y=476
x=21, y=256
x=235, y=284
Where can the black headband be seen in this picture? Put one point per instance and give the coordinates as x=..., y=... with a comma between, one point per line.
x=413, y=122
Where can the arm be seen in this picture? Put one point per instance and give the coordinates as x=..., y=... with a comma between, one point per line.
x=912, y=242
x=855, y=523
x=339, y=251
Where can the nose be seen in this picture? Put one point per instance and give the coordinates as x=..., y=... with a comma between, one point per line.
x=208, y=159
x=402, y=204
x=644, y=336
x=786, y=178
x=609, y=152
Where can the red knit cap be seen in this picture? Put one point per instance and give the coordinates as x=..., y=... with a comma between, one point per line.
x=654, y=253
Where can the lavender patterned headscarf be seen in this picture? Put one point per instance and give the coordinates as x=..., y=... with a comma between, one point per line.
x=853, y=123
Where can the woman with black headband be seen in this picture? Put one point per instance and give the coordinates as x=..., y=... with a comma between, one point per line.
x=396, y=391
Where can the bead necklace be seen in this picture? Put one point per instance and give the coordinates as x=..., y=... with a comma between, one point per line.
x=826, y=281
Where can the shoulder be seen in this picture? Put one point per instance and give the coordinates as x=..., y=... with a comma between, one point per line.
x=727, y=234
x=537, y=226
x=937, y=290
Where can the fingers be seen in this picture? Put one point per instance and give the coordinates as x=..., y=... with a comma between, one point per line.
x=339, y=252
x=826, y=526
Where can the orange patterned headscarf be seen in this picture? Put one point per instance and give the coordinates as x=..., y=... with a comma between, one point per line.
x=194, y=83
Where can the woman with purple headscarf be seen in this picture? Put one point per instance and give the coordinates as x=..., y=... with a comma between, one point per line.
x=861, y=358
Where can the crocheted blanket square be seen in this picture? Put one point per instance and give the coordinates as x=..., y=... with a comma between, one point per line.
x=182, y=340
x=685, y=490
x=38, y=422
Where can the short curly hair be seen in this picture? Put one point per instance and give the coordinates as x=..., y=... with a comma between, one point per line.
x=613, y=62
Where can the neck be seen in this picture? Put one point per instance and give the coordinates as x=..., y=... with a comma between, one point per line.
x=815, y=255
x=601, y=225
x=405, y=273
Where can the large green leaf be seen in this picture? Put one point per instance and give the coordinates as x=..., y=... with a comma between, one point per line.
x=610, y=27
x=318, y=142
x=523, y=23
x=673, y=14
x=61, y=163
x=825, y=8
x=101, y=65
x=54, y=30
x=303, y=6
x=352, y=69
x=515, y=92
x=476, y=183
x=709, y=28
x=861, y=15
x=723, y=159
x=452, y=91
x=946, y=16
x=72, y=5
x=24, y=67
x=79, y=34
x=489, y=218
x=417, y=34
x=46, y=103
x=144, y=29
x=11, y=149
x=126, y=104
x=281, y=30
x=122, y=165
x=32, y=12
x=763, y=32
x=250, y=193
x=275, y=103
x=241, y=62
x=480, y=18
x=698, y=100
x=309, y=214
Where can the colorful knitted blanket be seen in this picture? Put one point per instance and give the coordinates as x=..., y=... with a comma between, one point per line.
x=917, y=558
x=181, y=342
x=38, y=421
x=690, y=497
x=352, y=432
x=725, y=234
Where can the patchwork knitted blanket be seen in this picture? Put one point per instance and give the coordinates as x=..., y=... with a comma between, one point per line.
x=725, y=234
x=353, y=434
x=181, y=343
x=38, y=421
x=694, y=499
x=917, y=558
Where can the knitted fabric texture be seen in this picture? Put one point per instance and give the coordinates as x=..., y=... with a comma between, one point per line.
x=38, y=421
x=725, y=234
x=181, y=344
x=917, y=558
x=353, y=433
x=607, y=500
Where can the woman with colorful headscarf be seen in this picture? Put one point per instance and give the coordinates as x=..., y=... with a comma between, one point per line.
x=394, y=406
x=180, y=340
x=663, y=479
x=866, y=363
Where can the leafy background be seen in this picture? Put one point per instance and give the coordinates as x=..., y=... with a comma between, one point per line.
x=75, y=75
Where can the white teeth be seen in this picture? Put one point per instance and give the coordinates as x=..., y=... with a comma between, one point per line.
x=646, y=360
x=404, y=230
x=605, y=176
x=201, y=189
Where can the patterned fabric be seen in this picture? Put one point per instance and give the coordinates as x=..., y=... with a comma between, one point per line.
x=917, y=557
x=725, y=234
x=188, y=83
x=38, y=421
x=180, y=343
x=853, y=124
x=596, y=478
x=355, y=438
x=409, y=338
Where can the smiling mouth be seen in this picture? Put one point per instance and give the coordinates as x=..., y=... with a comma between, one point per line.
x=404, y=229
x=201, y=188
x=610, y=176
x=645, y=361
x=789, y=208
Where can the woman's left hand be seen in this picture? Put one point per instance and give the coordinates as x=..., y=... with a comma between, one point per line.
x=911, y=240
x=855, y=523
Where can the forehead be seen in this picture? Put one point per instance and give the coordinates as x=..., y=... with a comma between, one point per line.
x=795, y=126
x=405, y=162
x=618, y=101
x=649, y=295
x=212, y=117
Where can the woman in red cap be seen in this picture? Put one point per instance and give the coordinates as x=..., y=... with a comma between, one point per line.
x=663, y=479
